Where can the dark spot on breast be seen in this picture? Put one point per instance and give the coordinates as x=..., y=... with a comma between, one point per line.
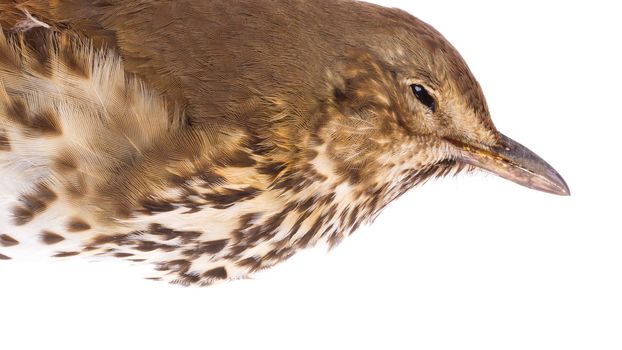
x=119, y=239
x=258, y=145
x=188, y=279
x=288, y=181
x=44, y=193
x=149, y=246
x=65, y=254
x=159, y=230
x=123, y=255
x=5, y=144
x=65, y=163
x=339, y=96
x=331, y=212
x=272, y=169
x=22, y=216
x=306, y=204
x=153, y=206
x=36, y=40
x=180, y=266
x=17, y=112
x=77, y=225
x=236, y=250
x=313, y=231
x=279, y=254
x=168, y=234
x=213, y=247
x=373, y=203
x=229, y=197
x=4, y=257
x=217, y=273
x=252, y=263
x=334, y=239
x=42, y=122
x=302, y=218
x=268, y=229
x=349, y=173
x=240, y=159
x=8, y=241
x=45, y=122
x=33, y=204
x=245, y=222
x=327, y=199
x=211, y=179
x=191, y=209
x=50, y=238
x=353, y=216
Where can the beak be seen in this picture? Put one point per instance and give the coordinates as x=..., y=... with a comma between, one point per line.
x=515, y=162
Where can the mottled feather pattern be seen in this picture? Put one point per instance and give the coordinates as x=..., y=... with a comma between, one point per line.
x=225, y=156
x=69, y=116
x=88, y=127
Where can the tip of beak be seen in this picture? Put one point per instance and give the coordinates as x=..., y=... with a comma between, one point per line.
x=532, y=171
x=557, y=185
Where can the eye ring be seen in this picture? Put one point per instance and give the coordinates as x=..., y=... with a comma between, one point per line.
x=424, y=96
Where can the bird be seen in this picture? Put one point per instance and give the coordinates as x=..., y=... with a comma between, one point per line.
x=208, y=140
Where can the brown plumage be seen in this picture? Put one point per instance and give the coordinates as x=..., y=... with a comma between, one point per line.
x=215, y=138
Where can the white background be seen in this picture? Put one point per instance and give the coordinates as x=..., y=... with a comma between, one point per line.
x=468, y=263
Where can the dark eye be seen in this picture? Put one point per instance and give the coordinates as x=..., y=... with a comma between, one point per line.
x=424, y=97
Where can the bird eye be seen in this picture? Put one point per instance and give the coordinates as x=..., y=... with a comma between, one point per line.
x=424, y=97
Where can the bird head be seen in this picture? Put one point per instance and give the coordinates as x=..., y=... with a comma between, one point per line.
x=404, y=106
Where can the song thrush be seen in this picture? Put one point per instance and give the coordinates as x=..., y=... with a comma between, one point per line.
x=215, y=138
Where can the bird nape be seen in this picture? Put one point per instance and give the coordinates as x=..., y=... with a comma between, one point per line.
x=204, y=139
